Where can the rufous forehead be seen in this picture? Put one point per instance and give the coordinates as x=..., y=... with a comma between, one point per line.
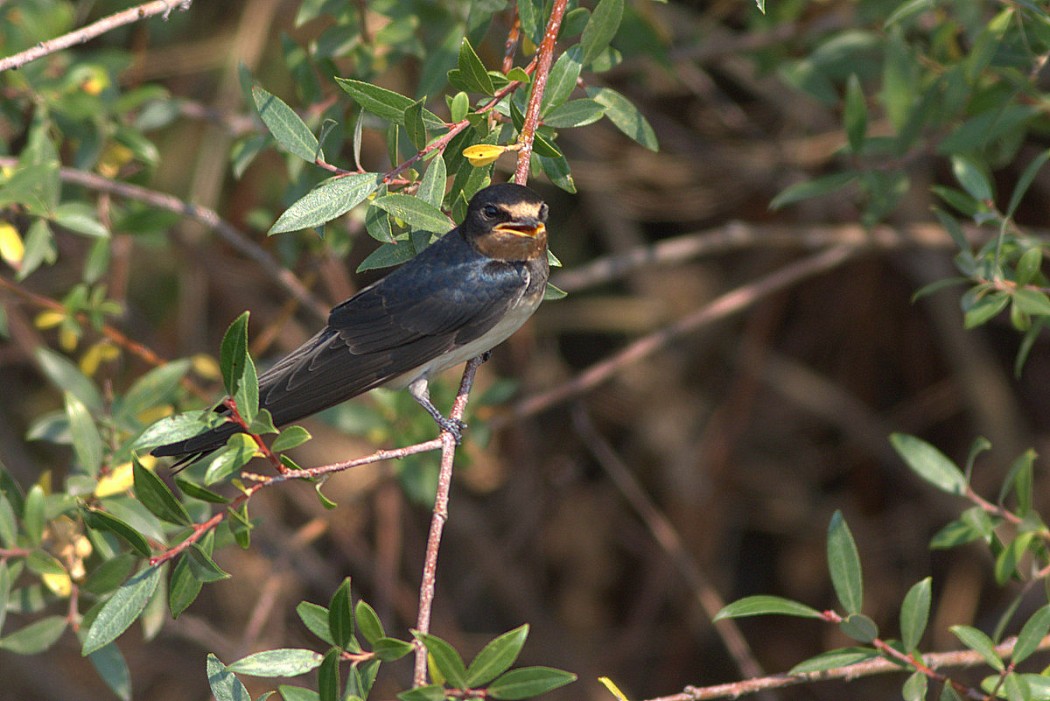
x=523, y=210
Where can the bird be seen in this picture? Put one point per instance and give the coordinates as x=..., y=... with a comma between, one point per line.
x=458, y=298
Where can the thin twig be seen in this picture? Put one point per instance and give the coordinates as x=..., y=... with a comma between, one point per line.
x=203, y=215
x=106, y=24
x=724, y=306
x=539, y=85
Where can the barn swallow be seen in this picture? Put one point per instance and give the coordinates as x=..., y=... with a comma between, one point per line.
x=461, y=296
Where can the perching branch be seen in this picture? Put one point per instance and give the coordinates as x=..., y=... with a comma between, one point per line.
x=106, y=24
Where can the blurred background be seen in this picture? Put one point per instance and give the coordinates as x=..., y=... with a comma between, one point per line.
x=614, y=517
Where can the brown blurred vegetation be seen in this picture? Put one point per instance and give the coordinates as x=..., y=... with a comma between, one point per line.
x=746, y=434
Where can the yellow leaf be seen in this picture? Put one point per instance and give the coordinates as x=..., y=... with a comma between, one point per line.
x=481, y=155
x=97, y=354
x=613, y=689
x=68, y=337
x=205, y=366
x=155, y=413
x=12, y=250
x=114, y=157
x=119, y=480
x=49, y=319
x=59, y=584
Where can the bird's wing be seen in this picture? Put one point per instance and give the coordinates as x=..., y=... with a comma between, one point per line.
x=408, y=318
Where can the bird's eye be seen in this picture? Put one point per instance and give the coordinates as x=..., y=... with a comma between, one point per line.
x=490, y=211
x=543, y=212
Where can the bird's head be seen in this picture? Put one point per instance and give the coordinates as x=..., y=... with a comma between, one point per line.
x=507, y=222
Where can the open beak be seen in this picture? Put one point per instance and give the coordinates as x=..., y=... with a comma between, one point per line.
x=527, y=229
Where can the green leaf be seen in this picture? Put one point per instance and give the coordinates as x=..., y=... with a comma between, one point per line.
x=844, y=565
x=855, y=114
x=972, y=178
x=575, y=113
x=430, y=692
x=178, y=427
x=458, y=107
x=1028, y=265
x=985, y=309
x=390, y=649
x=1006, y=563
x=432, y=185
x=289, y=438
x=817, y=187
x=315, y=618
x=287, y=127
x=600, y=29
x=67, y=377
x=6, y=580
x=368, y=622
x=384, y=103
x=328, y=676
x=929, y=463
x=80, y=218
x=33, y=516
x=233, y=355
x=87, y=442
x=625, y=116
x=764, y=605
x=1025, y=181
x=859, y=627
x=472, y=71
x=154, y=494
x=527, y=682
x=101, y=520
x=414, y=212
x=561, y=81
x=126, y=604
x=35, y=637
x=224, y=685
x=152, y=389
x=446, y=659
x=833, y=659
x=330, y=199
x=202, y=566
x=195, y=491
x=915, y=613
x=1032, y=633
x=184, y=587
x=415, y=129
x=113, y=669
x=387, y=255
x=341, y=615
x=914, y=688
x=496, y=657
x=1020, y=481
x=282, y=662
x=1033, y=302
x=238, y=452
x=298, y=693
x=979, y=643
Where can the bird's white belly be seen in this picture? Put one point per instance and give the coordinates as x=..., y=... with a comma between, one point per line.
x=511, y=322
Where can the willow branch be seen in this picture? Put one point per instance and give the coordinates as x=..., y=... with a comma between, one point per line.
x=106, y=24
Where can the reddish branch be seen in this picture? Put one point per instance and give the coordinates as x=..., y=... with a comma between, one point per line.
x=539, y=86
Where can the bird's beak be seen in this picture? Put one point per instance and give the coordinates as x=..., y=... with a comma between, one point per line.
x=529, y=228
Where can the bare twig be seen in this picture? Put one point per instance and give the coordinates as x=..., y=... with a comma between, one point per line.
x=539, y=85
x=106, y=24
x=726, y=305
x=203, y=215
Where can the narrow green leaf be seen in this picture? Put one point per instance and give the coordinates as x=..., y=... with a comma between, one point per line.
x=384, y=103
x=6, y=581
x=1006, y=563
x=328, y=676
x=87, y=442
x=113, y=669
x=8, y=524
x=202, y=567
x=833, y=659
x=979, y=643
x=66, y=376
x=844, y=565
x=929, y=463
x=415, y=129
x=432, y=185
x=195, y=491
x=287, y=127
x=35, y=637
x=446, y=659
x=330, y=199
x=1032, y=633
x=341, y=615
x=574, y=113
x=855, y=114
x=527, y=682
x=315, y=618
x=764, y=605
x=415, y=212
x=178, y=427
x=152, y=389
x=154, y=494
x=390, y=649
x=625, y=116
x=859, y=627
x=224, y=462
x=289, y=438
x=472, y=71
x=817, y=187
x=184, y=587
x=914, y=688
x=496, y=657
x=282, y=662
x=33, y=517
x=368, y=622
x=387, y=255
x=1029, y=264
x=1020, y=481
x=233, y=352
x=1033, y=302
x=225, y=686
x=972, y=178
x=561, y=81
x=915, y=613
x=126, y=604
x=430, y=692
x=1025, y=181
x=600, y=29
x=298, y=693
x=101, y=520
x=985, y=309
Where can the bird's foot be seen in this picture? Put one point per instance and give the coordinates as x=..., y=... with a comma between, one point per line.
x=453, y=426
